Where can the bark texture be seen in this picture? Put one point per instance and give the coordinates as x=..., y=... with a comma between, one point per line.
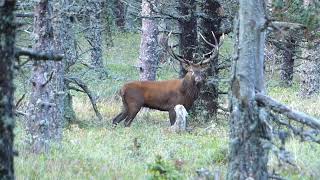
x=149, y=51
x=94, y=35
x=248, y=156
x=45, y=108
x=286, y=73
x=212, y=23
x=120, y=14
x=65, y=43
x=188, y=27
x=7, y=42
x=310, y=71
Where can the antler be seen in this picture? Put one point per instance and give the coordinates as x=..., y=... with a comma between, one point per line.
x=215, y=50
x=174, y=55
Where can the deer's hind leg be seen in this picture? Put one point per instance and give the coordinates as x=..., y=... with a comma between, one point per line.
x=133, y=110
x=121, y=116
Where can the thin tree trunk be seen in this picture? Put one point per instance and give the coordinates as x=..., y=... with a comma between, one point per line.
x=149, y=55
x=64, y=38
x=248, y=156
x=286, y=73
x=310, y=71
x=188, y=36
x=107, y=23
x=45, y=108
x=208, y=98
x=120, y=14
x=7, y=42
x=94, y=35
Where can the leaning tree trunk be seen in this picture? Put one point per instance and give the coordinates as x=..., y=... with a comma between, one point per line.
x=45, y=108
x=7, y=42
x=248, y=156
x=211, y=22
x=286, y=73
x=310, y=71
x=149, y=57
x=64, y=38
x=94, y=35
x=188, y=27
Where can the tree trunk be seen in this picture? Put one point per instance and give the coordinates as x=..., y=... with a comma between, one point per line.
x=149, y=55
x=248, y=156
x=286, y=73
x=107, y=23
x=188, y=27
x=64, y=38
x=120, y=14
x=7, y=42
x=45, y=108
x=310, y=68
x=310, y=71
x=208, y=98
x=94, y=35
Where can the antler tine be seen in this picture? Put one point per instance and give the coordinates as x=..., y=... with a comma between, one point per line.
x=221, y=41
x=174, y=55
x=215, y=51
x=207, y=41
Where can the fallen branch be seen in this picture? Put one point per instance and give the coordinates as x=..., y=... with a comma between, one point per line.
x=86, y=90
x=38, y=55
x=25, y=15
x=291, y=114
x=20, y=100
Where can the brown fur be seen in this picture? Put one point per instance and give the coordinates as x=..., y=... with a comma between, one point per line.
x=160, y=95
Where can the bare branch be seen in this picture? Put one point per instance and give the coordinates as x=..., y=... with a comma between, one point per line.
x=85, y=88
x=291, y=114
x=38, y=55
x=25, y=15
x=20, y=100
x=50, y=77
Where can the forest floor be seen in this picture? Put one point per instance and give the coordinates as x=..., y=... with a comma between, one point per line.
x=93, y=149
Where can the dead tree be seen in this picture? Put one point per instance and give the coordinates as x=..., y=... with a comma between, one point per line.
x=252, y=112
x=149, y=55
x=45, y=108
x=248, y=158
x=7, y=43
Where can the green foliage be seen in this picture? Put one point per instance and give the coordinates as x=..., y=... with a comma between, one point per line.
x=162, y=170
x=295, y=11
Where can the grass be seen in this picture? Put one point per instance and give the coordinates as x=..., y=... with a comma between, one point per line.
x=92, y=149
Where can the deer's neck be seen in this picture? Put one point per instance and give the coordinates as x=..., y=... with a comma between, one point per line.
x=190, y=89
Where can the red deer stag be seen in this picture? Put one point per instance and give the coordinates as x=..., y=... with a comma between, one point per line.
x=164, y=95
